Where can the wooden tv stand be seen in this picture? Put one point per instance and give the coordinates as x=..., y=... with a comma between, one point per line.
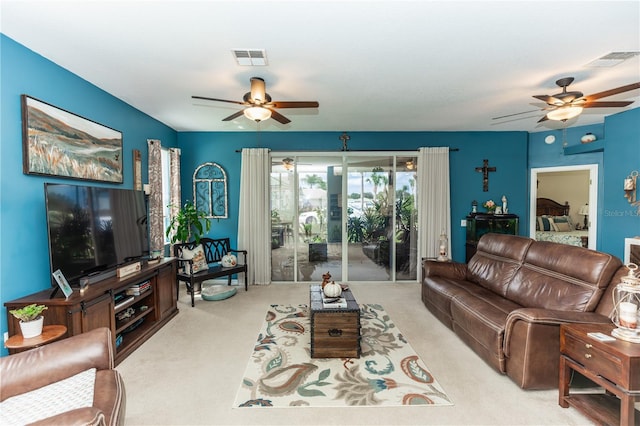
x=101, y=304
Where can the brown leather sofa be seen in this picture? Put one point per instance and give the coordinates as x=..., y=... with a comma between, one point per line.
x=33, y=369
x=508, y=302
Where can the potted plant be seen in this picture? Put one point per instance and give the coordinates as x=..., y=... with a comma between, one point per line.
x=31, y=319
x=188, y=223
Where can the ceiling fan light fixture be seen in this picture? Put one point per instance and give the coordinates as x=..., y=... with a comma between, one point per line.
x=257, y=113
x=564, y=113
x=287, y=163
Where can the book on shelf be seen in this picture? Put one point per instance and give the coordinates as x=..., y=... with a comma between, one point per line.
x=334, y=302
x=138, y=289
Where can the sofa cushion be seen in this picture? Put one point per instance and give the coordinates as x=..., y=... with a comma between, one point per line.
x=479, y=317
x=437, y=294
x=498, y=257
x=562, y=277
x=65, y=395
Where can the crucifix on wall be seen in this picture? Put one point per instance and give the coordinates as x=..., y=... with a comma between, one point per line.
x=344, y=138
x=485, y=169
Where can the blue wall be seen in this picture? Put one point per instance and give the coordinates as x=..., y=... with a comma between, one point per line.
x=620, y=138
x=24, y=264
x=507, y=151
x=621, y=156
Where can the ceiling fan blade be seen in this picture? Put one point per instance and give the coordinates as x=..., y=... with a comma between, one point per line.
x=279, y=117
x=218, y=100
x=517, y=113
x=610, y=104
x=612, y=92
x=296, y=104
x=234, y=115
x=545, y=118
x=549, y=99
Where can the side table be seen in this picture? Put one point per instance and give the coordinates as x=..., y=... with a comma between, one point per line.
x=49, y=334
x=613, y=365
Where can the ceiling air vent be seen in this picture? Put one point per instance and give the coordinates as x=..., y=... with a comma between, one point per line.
x=250, y=57
x=612, y=59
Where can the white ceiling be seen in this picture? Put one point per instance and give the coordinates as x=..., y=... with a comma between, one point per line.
x=372, y=65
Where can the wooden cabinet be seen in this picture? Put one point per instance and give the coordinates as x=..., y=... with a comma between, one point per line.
x=614, y=365
x=132, y=318
x=479, y=224
x=166, y=298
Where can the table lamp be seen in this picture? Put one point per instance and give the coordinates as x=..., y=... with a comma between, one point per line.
x=584, y=211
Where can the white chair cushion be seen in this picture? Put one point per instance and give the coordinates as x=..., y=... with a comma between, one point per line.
x=51, y=400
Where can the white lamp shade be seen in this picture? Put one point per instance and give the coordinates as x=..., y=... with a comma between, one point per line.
x=584, y=210
x=257, y=113
x=563, y=113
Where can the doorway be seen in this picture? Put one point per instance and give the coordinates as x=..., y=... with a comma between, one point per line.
x=350, y=214
x=577, y=183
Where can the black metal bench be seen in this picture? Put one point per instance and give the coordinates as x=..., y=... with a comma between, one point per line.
x=214, y=250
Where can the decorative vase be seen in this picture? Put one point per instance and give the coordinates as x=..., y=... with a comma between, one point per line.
x=229, y=260
x=332, y=289
x=32, y=328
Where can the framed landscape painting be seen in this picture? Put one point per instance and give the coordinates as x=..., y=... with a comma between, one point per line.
x=56, y=142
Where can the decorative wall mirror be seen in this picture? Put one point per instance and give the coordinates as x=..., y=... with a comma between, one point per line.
x=210, y=190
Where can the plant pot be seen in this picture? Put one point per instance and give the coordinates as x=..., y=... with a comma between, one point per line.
x=32, y=328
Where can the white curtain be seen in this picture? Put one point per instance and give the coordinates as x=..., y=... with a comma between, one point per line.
x=254, y=217
x=434, y=200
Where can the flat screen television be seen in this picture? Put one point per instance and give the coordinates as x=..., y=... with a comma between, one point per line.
x=93, y=230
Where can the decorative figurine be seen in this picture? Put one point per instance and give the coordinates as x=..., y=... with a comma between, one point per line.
x=504, y=205
x=474, y=206
x=443, y=247
x=325, y=279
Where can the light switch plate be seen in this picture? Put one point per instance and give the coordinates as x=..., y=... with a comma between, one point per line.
x=463, y=223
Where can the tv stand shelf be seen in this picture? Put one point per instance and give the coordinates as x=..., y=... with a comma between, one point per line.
x=131, y=323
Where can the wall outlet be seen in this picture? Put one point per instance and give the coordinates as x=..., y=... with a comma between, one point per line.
x=6, y=336
x=463, y=223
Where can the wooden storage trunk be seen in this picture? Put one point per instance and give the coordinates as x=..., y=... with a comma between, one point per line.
x=335, y=333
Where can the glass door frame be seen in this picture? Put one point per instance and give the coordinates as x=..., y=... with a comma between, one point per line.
x=342, y=157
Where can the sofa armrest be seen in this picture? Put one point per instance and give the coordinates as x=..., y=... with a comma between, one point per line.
x=35, y=368
x=547, y=317
x=87, y=416
x=452, y=270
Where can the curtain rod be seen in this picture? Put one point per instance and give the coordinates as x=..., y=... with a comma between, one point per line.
x=360, y=150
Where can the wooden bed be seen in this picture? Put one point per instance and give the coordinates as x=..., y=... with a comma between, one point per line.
x=548, y=207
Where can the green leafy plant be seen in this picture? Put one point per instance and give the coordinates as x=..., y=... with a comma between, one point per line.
x=28, y=313
x=188, y=223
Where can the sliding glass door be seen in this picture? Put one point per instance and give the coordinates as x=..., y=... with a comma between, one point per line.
x=351, y=215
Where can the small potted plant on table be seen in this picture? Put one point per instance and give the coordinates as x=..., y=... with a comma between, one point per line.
x=31, y=319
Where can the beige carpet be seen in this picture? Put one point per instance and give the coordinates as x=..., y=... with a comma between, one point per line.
x=189, y=372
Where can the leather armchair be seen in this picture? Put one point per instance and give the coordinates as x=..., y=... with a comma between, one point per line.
x=33, y=369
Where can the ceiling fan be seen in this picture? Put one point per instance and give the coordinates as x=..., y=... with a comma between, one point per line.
x=569, y=104
x=259, y=106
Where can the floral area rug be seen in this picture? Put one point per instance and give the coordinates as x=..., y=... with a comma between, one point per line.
x=281, y=372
